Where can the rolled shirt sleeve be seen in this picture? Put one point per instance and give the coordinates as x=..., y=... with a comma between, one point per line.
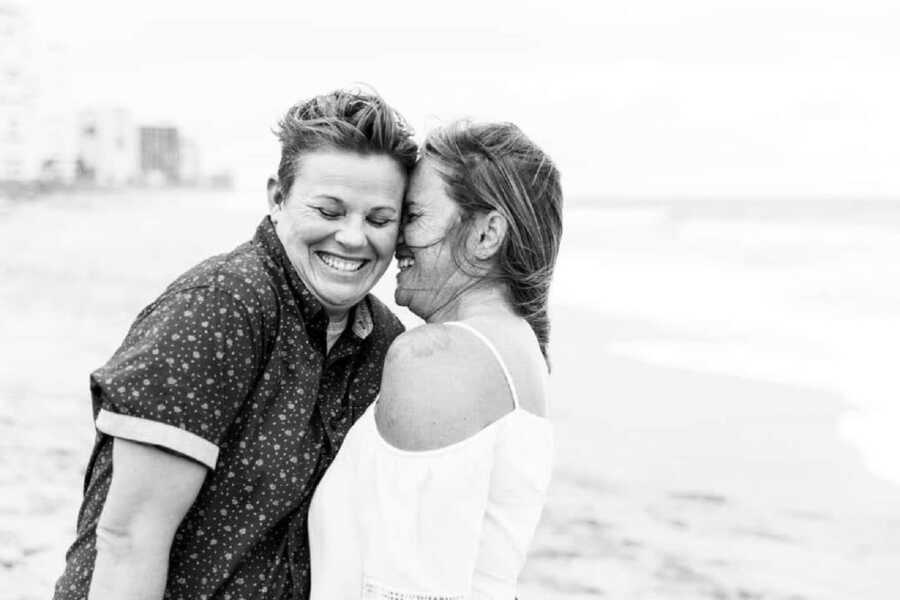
x=182, y=374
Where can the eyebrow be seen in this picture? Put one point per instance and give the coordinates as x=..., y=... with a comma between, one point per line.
x=390, y=209
x=327, y=197
x=341, y=202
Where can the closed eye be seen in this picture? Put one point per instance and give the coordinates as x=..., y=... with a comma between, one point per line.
x=328, y=213
x=381, y=221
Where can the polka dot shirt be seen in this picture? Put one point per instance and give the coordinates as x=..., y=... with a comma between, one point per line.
x=229, y=367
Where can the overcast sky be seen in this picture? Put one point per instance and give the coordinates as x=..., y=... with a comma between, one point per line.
x=631, y=97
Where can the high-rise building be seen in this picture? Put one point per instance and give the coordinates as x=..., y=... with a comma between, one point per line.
x=57, y=136
x=190, y=171
x=107, y=147
x=18, y=152
x=160, y=154
x=37, y=128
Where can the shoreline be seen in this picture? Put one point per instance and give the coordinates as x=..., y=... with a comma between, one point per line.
x=752, y=419
x=673, y=495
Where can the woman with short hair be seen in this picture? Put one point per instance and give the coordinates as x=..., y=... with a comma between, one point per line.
x=438, y=488
x=233, y=389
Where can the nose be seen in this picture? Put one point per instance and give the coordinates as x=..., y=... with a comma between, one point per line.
x=350, y=234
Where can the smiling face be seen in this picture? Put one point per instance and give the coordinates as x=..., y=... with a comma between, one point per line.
x=429, y=276
x=339, y=223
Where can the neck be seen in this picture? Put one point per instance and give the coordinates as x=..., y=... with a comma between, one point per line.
x=335, y=317
x=474, y=302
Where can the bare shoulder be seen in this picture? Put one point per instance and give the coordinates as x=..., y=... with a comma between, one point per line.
x=434, y=388
x=420, y=343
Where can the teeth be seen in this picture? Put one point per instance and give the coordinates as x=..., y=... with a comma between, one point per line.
x=405, y=262
x=341, y=264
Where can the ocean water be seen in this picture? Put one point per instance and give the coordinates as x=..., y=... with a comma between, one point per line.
x=803, y=292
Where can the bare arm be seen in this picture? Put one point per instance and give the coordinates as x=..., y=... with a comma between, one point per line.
x=150, y=493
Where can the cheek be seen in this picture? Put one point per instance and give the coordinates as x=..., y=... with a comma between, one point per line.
x=418, y=235
x=384, y=241
x=309, y=231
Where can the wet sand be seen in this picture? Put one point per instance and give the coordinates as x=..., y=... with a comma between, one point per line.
x=676, y=484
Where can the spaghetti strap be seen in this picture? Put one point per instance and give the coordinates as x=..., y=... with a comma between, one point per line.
x=493, y=349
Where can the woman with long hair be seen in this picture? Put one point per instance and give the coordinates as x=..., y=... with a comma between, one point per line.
x=438, y=488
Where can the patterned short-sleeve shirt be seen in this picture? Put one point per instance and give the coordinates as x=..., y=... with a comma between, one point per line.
x=229, y=367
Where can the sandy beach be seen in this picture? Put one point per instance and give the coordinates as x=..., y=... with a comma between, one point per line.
x=670, y=482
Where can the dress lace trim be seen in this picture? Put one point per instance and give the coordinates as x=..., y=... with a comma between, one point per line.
x=373, y=590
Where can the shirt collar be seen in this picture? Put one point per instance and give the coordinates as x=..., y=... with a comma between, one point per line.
x=310, y=307
x=363, y=325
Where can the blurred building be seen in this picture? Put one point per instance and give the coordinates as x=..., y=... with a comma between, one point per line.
x=18, y=96
x=190, y=170
x=57, y=134
x=58, y=151
x=46, y=142
x=160, y=154
x=107, y=147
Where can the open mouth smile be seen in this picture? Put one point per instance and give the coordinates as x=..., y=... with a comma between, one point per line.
x=340, y=263
x=405, y=262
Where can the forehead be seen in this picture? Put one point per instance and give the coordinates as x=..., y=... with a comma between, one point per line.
x=426, y=185
x=350, y=176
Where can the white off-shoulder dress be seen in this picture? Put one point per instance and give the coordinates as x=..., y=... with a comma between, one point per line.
x=450, y=523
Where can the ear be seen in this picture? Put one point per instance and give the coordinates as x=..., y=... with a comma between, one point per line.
x=276, y=197
x=488, y=234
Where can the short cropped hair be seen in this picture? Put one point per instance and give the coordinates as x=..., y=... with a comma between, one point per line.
x=348, y=120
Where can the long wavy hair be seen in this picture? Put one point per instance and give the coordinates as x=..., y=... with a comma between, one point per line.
x=495, y=166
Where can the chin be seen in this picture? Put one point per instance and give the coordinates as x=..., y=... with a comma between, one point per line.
x=418, y=312
x=340, y=302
